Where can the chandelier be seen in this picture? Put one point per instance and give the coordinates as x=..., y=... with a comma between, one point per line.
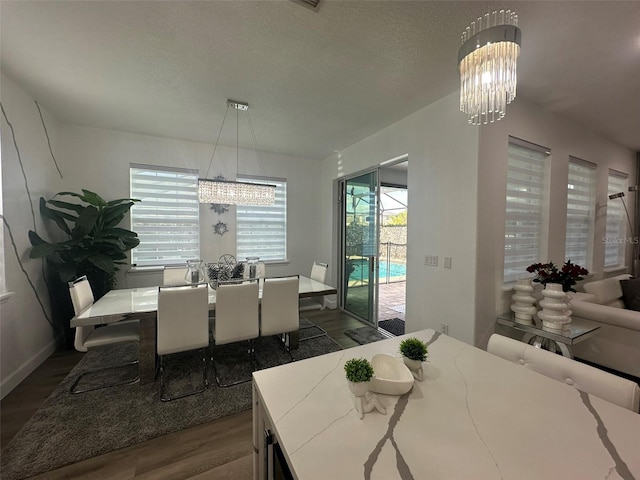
x=487, y=63
x=228, y=192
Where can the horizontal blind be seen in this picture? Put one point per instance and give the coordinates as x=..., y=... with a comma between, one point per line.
x=262, y=230
x=615, y=236
x=525, y=203
x=580, y=211
x=167, y=217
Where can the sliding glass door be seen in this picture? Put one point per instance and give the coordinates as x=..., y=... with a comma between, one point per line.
x=360, y=245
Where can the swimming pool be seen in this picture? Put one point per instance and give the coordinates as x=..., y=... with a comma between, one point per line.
x=397, y=271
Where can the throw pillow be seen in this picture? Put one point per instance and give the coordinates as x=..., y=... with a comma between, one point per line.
x=631, y=293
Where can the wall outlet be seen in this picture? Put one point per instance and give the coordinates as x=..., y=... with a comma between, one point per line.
x=431, y=260
x=447, y=262
x=444, y=328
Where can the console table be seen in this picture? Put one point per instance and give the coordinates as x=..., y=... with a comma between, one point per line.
x=578, y=330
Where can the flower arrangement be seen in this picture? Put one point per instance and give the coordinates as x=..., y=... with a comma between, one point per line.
x=567, y=276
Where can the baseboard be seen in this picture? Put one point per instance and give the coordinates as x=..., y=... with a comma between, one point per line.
x=11, y=382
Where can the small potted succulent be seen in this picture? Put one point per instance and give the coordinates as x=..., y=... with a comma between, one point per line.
x=359, y=372
x=414, y=352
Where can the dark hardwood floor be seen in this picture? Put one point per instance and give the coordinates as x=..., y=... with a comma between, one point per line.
x=221, y=449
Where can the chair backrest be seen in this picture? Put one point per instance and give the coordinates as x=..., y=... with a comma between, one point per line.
x=81, y=298
x=584, y=377
x=236, y=312
x=81, y=294
x=319, y=272
x=174, y=276
x=279, y=310
x=183, y=318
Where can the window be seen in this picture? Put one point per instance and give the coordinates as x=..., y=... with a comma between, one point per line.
x=615, y=236
x=581, y=190
x=525, y=206
x=262, y=230
x=167, y=218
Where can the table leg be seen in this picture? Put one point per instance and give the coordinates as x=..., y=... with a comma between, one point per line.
x=147, y=348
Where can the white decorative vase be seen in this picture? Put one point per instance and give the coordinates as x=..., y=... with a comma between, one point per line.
x=415, y=366
x=556, y=310
x=359, y=389
x=363, y=400
x=523, y=302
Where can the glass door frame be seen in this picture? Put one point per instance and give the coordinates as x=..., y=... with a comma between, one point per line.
x=373, y=269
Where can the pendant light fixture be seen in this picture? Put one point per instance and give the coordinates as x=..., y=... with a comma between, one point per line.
x=487, y=63
x=234, y=192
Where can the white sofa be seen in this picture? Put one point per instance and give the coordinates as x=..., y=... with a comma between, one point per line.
x=617, y=344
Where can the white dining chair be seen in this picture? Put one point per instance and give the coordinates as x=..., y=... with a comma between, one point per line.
x=236, y=319
x=319, y=274
x=87, y=337
x=174, y=276
x=183, y=325
x=583, y=377
x=279, y=313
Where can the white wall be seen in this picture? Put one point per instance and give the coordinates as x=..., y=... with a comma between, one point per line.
x=26, y=337
x=563, y=137
x=98, y=160
x=442, y=182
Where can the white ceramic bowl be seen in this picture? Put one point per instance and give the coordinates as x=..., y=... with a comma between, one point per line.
x=390, y=375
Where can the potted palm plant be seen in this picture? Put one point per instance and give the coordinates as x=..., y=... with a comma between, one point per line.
x=94, y=246
x=414, y=352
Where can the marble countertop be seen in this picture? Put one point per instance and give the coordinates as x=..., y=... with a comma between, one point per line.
x=475, y=416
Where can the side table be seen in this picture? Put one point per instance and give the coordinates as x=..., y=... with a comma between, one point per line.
x=553, y=340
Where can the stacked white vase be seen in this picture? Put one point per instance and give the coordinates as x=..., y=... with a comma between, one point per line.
x=523, y=305
x=556, y=310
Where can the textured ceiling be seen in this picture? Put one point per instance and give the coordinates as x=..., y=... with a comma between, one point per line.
x=317, y=80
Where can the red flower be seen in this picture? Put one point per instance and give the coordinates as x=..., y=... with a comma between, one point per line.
x=567, y=276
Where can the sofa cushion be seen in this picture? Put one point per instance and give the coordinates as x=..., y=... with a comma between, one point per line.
x=606, y=291
x=631, y=293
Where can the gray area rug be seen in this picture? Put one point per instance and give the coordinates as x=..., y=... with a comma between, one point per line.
x=394, y=325
x=70, y=428
x=364, y=335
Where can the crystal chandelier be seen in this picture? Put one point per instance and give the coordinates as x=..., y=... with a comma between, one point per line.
x=487, y=62
x=228, y=192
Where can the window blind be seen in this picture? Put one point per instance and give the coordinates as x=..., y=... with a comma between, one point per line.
x=616, y=228
x=167, y=218
x=524, y=211
x=580, y=211
x=262, y=230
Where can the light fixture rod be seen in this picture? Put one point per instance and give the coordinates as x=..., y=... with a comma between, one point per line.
x=499, y=33
x=238, y=105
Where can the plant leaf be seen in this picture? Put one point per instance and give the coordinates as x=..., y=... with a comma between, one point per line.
x=43, y=250
x=55, y=215
x=93, y=198
x=113, y=215
x=103, y=262
x=67, y=206
x=86, y=222
x=121, y=200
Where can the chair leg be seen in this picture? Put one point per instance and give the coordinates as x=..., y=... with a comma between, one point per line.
x=75, y=390
x=205, y=381
x=313, y=336
x=254, y=366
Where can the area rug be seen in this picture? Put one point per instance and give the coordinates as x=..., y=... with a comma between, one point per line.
x=364, y=335
x=70, y=428
x=394, y=325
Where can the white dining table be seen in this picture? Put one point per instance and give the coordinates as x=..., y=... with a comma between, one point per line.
x=474, y=416
x=142, y=304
